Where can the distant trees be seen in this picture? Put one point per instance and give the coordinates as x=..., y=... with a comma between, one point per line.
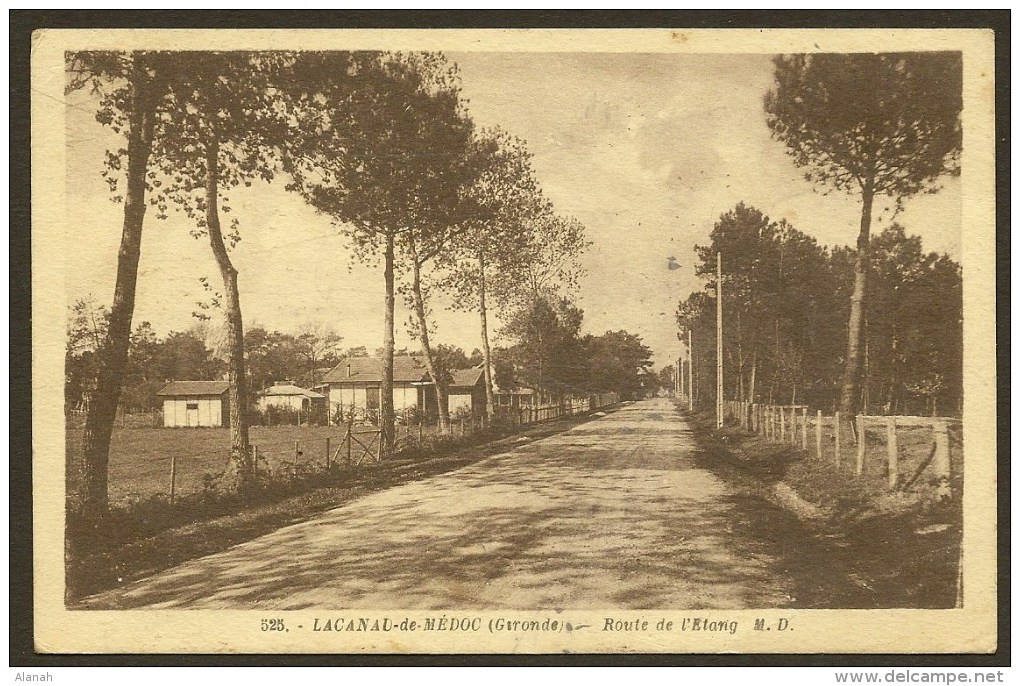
x=151, y=362
x=667, y=376
x=786, y=304
x=618, y=361
x=319, y=346
x=87, y=326
x=275, y=356
x=550, y=352
x=548, y=344
x=779, y=300
x=868, y=124
x=915, y=327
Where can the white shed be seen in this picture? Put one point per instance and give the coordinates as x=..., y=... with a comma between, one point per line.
x=195, y=403
x=286, y=394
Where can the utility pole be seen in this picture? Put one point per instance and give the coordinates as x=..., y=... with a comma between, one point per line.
x=690, y=372
x=718, y=343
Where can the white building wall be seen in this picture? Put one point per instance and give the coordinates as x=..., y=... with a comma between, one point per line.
x=216, y=412
x=460, y=401
x=291, y=401
x=175, y=412
x=404, y=398
x=169, y=412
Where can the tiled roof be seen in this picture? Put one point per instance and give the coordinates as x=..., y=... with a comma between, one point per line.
x=289, y=389
x=195, y=388
x=467, y=377
x=369, y=370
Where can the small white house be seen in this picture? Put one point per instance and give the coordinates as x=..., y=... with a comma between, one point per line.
x=356, y=383
x=286, y=394
x=467, y=392
x=195, y=403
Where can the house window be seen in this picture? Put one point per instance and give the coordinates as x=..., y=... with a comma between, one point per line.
x=192, y=406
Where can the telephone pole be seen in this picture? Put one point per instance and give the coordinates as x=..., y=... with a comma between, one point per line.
x=718, y=343
x=690, y=372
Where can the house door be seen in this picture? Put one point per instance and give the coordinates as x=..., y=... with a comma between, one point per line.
x=192, y=416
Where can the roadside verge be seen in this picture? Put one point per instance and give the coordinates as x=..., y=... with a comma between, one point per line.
x=899, y=546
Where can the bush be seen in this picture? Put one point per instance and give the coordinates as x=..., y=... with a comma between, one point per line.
x=277, y=415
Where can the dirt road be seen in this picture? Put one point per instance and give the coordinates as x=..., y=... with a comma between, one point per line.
x=612, y=513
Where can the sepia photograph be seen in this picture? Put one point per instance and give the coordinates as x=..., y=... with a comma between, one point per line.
x=518, y=341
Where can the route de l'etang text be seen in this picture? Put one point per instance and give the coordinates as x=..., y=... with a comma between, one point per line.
x=472, y=624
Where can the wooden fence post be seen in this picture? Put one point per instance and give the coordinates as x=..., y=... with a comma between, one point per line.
x=255, y=456
x=861, y=441
x=893, y=449
x=297, y=451
x=173, y=479
x=327, y=453
x=818, y=434
x=348, y=439
x=835, y=424
x=803, y=428
x=419, y=431
x=782, y=425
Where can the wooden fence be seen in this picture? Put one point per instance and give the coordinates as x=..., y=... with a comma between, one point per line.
x=568, y=408
x=855, y=441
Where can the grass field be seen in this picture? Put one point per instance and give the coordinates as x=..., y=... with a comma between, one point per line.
x=140, y=457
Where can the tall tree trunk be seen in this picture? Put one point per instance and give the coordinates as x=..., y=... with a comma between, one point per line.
x=240, y=450
x=386, y=392
x=102, y=408
x=442, y=405
x=849, y=396
x=490, y=398
x=741, y=387
x=754, y=373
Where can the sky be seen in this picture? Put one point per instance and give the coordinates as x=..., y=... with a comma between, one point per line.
x=647, y=150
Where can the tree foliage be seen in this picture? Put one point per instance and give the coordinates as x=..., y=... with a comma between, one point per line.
x=786, y=302
x=869, y=124
x=888, y=122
